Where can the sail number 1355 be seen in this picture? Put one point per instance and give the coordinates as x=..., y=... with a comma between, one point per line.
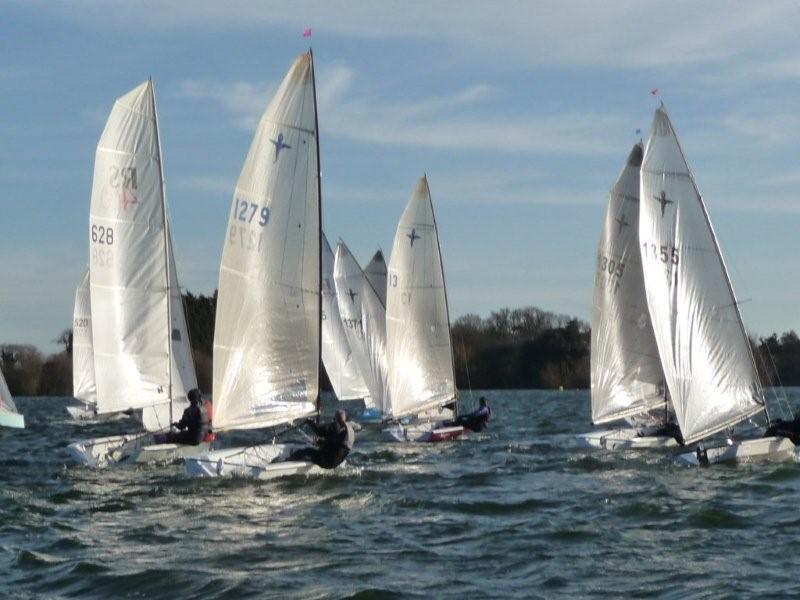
x=663, y=253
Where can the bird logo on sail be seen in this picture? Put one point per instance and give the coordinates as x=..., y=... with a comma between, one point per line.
x=279, y=145
x=352, y=295
x=412, y=236
x=663, y=201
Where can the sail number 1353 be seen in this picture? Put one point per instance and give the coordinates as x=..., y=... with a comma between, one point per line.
x=663, y=253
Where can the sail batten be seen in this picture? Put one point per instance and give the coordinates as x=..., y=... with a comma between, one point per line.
x=421, y=372
x=267, y=331
x=705, y=353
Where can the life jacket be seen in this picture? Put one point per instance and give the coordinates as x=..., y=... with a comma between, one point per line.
x=206, y=416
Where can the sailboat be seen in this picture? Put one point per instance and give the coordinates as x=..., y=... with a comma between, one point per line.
x=364, y=318
x=705, y=353
x=267, y=337
x=84, y=387
x=337, y=356
x=142, y=358
x=9, y=415
x=627, y=381
x=419, y=350
x=377, y=274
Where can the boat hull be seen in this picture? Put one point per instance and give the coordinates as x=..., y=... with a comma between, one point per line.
x=130, y=448
x=251, y=462
x=624, y=439
x=422, y=433
x=14, y=420
x=763, y=449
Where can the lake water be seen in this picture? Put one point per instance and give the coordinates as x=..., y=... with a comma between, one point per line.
x=518, y=512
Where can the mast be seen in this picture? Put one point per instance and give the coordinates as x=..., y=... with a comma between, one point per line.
x=319, y=236
x=166, y=251
x=444, y=285
x=724, y=269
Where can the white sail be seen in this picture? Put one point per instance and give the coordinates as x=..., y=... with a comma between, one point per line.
x=625, y=368
x=421, y=373
x=184, y=378
x=364, y=319
x=376, y=275
x=267, y=332
x=83, y=382
x=130, y=332
x=9, y=415
x=701, y=340
x=336, y=353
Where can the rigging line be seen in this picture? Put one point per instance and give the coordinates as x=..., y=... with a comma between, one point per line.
x=466, y=368
x=782, y=396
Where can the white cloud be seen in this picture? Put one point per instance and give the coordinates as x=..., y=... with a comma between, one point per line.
x=456, y=122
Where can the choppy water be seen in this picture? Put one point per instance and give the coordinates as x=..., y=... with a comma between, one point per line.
x=517, y=512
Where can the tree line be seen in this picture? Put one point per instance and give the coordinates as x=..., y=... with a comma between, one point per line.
x=523, y=348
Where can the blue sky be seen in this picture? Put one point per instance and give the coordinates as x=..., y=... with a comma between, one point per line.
x=522, y=115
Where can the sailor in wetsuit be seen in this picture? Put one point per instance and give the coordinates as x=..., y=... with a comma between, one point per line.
x=477, y=419
x=334, y=442
x=194, y=424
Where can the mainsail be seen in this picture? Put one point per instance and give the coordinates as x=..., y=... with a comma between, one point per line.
x=9, y=415
x=421, y=373
x=267, y=332
x=184, y=377
x=83, y=382
x=625, y=368
x=704, y=350
x=337, y=356
x=128, y=250
x=364, y=319
x=377, y=274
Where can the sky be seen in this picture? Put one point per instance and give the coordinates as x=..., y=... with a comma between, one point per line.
x=521, y=114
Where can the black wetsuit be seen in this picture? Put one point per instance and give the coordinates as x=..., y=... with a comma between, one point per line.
x=334, y=444
x=193, y=426
x=476, y=420
x=787, y=429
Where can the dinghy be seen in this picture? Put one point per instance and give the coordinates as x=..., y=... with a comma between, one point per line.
x=9, y=415
x=84, y=388
x=142, y=358
x=267, y=337
x=422, y=379
x=705, y=352
x=627, y=382
x=364, y=319
x=337, y=356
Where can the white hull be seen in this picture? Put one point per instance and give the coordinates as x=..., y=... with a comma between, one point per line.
x=130, y=448
x=624, y=439
x=763, y=449
x=253, y=462
x=421, y=432
x=14, y=420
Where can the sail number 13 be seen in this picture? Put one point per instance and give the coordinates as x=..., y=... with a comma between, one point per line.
x=663, y=253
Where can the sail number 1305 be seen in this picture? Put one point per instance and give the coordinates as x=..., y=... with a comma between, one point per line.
x=663, y=253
